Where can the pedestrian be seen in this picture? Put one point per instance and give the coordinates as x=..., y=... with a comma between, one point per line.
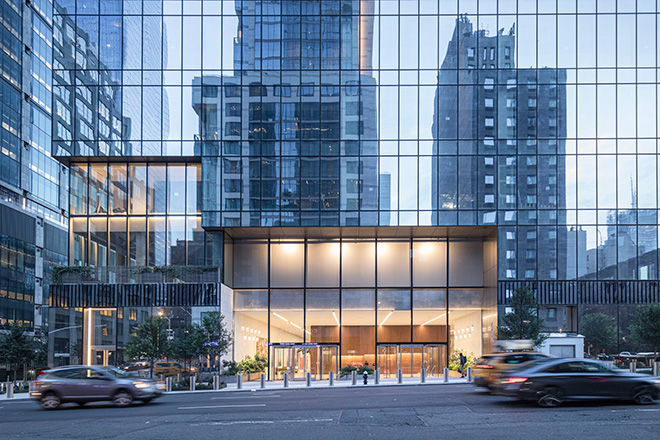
x=463, y=360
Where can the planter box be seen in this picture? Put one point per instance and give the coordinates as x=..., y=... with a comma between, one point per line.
x=228, y=379
x=71, y=278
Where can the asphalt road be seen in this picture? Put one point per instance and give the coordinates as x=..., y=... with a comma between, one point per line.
x=406, y=412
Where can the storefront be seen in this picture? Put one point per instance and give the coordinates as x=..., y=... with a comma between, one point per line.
x=318, y=305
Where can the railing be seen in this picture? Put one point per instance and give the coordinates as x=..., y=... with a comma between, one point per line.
x=136, y=274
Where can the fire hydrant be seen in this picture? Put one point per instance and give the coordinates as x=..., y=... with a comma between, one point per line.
x=365, y=376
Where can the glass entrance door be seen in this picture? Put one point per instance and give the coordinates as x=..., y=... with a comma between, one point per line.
x=297, y=360
x=388, y=360
x=411, y=359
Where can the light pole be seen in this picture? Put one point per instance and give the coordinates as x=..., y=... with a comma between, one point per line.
x=169, y=325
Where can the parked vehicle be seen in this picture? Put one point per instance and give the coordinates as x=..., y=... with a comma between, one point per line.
x=489, y=364
x=172, y=368
x=549, y=382
x=82, y=384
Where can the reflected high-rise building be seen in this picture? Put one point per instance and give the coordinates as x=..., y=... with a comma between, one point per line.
x=286, y=130
x=499, y=139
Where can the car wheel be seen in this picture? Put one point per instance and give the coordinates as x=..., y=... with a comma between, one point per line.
x=644, y=396
x=50, y=401
x=549, y=397
x=122, y=398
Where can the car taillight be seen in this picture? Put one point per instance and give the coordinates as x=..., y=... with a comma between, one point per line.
x=485, y=367
x=515, y=380
x=41, y=372
x=36, y=383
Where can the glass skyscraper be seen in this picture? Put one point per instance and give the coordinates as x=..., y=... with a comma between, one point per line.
x=373, y=177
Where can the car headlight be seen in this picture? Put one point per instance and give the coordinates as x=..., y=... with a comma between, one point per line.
x=140, y=384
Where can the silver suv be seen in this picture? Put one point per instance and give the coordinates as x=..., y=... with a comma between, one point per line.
x=82, y=384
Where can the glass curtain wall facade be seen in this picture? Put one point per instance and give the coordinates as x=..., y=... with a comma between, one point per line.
x=539, y=118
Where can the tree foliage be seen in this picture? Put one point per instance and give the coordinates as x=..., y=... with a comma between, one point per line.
x=149, y=341
x=217, y=337
x=16, y=348
x=599, y=332
x=645, y=329
x=523, y=321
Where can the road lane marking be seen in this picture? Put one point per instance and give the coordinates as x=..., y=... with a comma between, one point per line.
x=262, y=422
x=220, y=406
x=242, y=397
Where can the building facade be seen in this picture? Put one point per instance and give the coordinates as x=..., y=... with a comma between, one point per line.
x=33, y=185
x=373, y=178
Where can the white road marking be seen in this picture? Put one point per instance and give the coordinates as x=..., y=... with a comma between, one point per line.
x=648, y=410
x=243, y=397
x=263, y=422
x=220, y=406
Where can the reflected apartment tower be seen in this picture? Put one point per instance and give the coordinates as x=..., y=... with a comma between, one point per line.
x=501, y=163
x=271, y=131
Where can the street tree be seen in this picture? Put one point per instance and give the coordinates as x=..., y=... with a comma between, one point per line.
x=217, y=337
x=149, y=341
x=645, y=328
x=599, y=332
x=16, y=348
x=189, y=342
x=523, y=321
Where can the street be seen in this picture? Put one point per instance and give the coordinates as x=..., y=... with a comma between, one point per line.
x=419, y=412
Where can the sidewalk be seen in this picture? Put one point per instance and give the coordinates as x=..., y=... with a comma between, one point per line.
x=302, y=384
x=339, y=383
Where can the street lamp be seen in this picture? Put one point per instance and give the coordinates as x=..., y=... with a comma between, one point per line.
x=169, y=325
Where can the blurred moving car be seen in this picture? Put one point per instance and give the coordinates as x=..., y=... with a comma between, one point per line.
x=549, y=382
x=172, y=368
x=82, y=384
x=489, y=364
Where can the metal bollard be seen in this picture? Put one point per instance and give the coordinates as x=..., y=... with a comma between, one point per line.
x=239, y=381
x=633, y=366
x=331, y=381
x=168, y=384
x=10, y=390
x=377, y=376
x=309, y=379
x=286, y=380
x=353, y=377
x=469, y=374
x=445, y=376
x=422, y=376
x=399, y=376
x=262, y=380
x=656, y=368
x=216, y=382
x=192, y=383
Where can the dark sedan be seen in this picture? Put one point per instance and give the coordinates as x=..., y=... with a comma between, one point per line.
x=82, y=384
x=549, y=382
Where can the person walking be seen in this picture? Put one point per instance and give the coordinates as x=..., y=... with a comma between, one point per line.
x=463, y=360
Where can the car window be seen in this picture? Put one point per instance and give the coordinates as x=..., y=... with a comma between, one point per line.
x=177, y=365
x=90, y=373
x=515, y=359
x=117, y=373
x=69, y=373
x=590, y=367
x=567, y=367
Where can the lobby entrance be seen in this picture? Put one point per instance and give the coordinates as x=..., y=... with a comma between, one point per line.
x=299, y=359
x=411, y=358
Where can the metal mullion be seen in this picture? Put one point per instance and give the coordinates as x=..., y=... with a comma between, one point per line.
x=268, y=243
x=340, y=302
